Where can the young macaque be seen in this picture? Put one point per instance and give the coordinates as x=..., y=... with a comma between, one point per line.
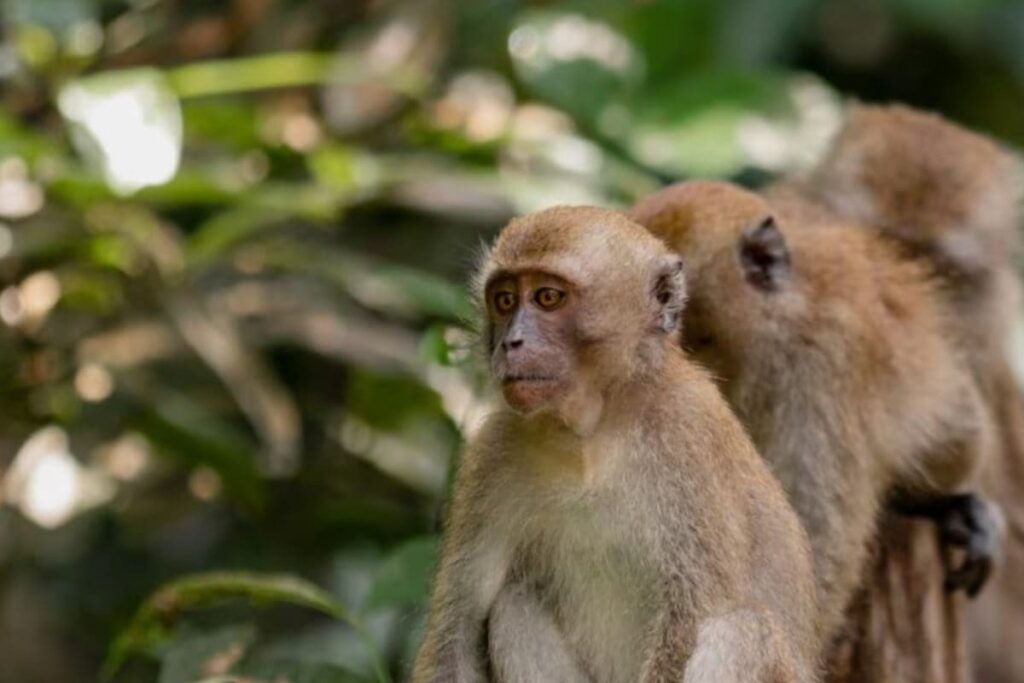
x=611, y=521
x=834, y=353
x=954, y=197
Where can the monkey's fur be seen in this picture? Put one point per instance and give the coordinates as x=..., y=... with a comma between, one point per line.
x=944, y=193
x=954, y=197
x=622, y=527
x=834, y=352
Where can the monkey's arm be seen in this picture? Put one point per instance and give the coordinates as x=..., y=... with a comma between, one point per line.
x=966, y=523
x=470, y=571
x=453, y=638
x=454, y=635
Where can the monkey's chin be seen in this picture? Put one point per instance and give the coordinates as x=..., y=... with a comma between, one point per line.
x=529, y=395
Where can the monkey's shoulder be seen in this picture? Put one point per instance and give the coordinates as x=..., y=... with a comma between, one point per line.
x=693, y=411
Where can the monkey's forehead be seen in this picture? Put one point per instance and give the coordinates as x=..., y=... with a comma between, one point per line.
x=589, y=233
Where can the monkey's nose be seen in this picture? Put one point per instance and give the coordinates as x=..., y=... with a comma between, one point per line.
x=510, y=344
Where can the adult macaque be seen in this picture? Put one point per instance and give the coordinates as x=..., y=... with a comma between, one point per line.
x=611, y=522
x=834, y=353
x=942, y=192
x=954, y=197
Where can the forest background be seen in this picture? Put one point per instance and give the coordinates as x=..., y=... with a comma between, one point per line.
x=235, y=367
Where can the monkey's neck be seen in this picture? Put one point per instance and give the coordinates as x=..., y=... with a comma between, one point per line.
x=587, y=404
x=595, y=396
x=581, y=409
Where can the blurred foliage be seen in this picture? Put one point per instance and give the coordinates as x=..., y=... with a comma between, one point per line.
x=233, y=237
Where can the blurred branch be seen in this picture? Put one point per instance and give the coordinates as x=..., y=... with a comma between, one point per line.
x=131, y=345
x=360, y=342
x=282, y=70
x=350, y=339
x=261, y=397
x=621, y=153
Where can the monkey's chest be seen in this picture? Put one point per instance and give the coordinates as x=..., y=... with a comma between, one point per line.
x=584, y=565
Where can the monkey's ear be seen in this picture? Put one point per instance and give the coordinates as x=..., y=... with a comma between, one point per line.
x=669, y=293
x=764, y=256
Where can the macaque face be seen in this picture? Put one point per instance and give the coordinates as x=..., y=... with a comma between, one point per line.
x=532, y=336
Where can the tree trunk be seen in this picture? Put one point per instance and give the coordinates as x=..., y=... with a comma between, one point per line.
x=903, y=627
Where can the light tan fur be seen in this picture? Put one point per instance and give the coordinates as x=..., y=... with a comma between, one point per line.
x=843, y=375
x=955, y=197
x=628, y=532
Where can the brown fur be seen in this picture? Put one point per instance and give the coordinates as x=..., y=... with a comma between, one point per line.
x=842, y=374
x=955, y=197
x=647, y=542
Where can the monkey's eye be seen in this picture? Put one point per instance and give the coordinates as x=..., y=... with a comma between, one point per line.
x=549, y=298
x=504, y=302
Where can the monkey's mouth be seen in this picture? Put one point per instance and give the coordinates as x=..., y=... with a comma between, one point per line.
x=527, y=393
x=514, y=379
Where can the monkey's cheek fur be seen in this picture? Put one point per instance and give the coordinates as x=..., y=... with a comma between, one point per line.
x=528, y=395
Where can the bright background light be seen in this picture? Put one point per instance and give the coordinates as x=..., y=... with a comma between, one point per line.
x=128, y=124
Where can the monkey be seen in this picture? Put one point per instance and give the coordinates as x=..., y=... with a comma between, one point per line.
x=942, y=192
x=953, y=197
x=834, y=353
x=610, y=520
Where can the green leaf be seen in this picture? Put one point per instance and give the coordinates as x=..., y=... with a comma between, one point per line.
x=92, y=291
x=390, y=400
x=227, y=228
x=152, y=624
x=22, y=141
x=200, y=590
x=404, y=577
x=231, y=123
x=259, y=72
x=202, y=653
x=575, y=62
x=691, y=127
x=191, y=186
x=182, y=432
x=297, y=671
x=379, y=285
x=334, y=166
x=402, y=290
x=434, y=346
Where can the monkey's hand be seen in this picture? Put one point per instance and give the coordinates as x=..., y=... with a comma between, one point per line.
x=970, y=530
x=969, y=524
